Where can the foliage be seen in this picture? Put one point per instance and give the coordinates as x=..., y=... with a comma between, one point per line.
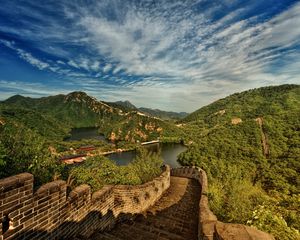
x=31, y=126
x=165, y=115
x=23, y=150
x=135, y=127
x=253, y=162
x=98, y=171
x=44, y=125
x=147, y=165
x=54, y=116
x=248, y=143
x=64, y=146
x=268, y=219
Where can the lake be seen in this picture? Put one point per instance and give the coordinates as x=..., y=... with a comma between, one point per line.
x=169, y=153
x=85, y=133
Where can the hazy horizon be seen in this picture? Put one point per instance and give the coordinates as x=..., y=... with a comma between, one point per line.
x=174, y=56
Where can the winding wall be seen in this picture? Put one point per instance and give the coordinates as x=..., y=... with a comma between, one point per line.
x=209, y=228
x=49, y=213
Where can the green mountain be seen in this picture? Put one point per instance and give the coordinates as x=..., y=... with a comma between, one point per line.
x=60, y=113
x=76, y=109
x=124, y=105
x=249, y=104
x=45, y=125
x=127, y=106
x=249, y=144
x=165, y=115
x=138, y=126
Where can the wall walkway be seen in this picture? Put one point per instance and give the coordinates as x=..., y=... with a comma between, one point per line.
x=148, y=211
x=172, y=217
x=209, y=227
x=49, y=213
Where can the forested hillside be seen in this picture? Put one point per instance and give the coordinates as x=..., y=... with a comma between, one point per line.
x=125, y=106
x=46, y=125
x=249, y=144
x=136, y=126
x=76, y=109
x=32, y=133
x=164, y=115
x=54, y=116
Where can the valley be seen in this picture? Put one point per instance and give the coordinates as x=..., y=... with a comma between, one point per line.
x=247, y=143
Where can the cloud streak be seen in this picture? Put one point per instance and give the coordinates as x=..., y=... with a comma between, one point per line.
x=196, y=52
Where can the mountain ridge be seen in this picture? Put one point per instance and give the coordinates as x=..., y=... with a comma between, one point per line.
x=77, y=109
x=165, y=115
x=248, y=144
x=220, y=104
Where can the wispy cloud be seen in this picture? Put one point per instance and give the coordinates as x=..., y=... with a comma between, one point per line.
x=34, y=89
x=182, y=49
x=26, y=56
x=107, y=67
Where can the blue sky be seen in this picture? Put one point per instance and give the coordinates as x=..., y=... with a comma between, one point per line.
x=172, y=55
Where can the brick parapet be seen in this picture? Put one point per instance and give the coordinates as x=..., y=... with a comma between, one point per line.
x=49, y=213
x=209, y=227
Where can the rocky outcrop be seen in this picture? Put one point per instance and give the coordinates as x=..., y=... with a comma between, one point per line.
x=236, y=121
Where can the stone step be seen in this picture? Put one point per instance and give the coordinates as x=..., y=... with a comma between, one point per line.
x=132, y=232
x=107, y=236
x=159, y=230
x=147, y=232
x=174, y=216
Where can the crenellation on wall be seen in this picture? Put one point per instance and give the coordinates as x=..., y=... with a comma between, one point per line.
x=78, y=202
x=102, y=193
x=49, y=213
x=15, y=193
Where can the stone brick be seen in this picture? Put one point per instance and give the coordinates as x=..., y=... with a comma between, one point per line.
x=12, y=232
x=50, y=207
x=227, y=231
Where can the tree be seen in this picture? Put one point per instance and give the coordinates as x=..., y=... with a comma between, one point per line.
x=23, y=150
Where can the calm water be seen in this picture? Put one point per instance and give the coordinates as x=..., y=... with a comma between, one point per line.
x=169, y=153
x=85, y=133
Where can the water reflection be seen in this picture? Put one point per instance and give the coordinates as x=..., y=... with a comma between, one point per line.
x=85, y=133
x=169, y=153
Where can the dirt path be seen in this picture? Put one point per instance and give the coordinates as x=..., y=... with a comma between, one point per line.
x=264, y=139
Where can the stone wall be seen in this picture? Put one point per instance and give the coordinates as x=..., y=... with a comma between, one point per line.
x=209, y=227
x=49, y=213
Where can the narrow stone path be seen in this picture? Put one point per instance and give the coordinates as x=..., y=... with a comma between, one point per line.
x=174, y=216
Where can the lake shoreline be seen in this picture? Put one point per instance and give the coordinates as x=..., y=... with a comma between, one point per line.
x=169, y=153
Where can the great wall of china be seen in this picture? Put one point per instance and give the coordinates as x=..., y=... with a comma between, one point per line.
x=51, y=212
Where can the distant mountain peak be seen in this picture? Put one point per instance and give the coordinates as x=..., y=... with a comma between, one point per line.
x=15, y=97
x=127, y=104
x=247, y=104
x=19, y=100
x=165, y=115
x=77, y=94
